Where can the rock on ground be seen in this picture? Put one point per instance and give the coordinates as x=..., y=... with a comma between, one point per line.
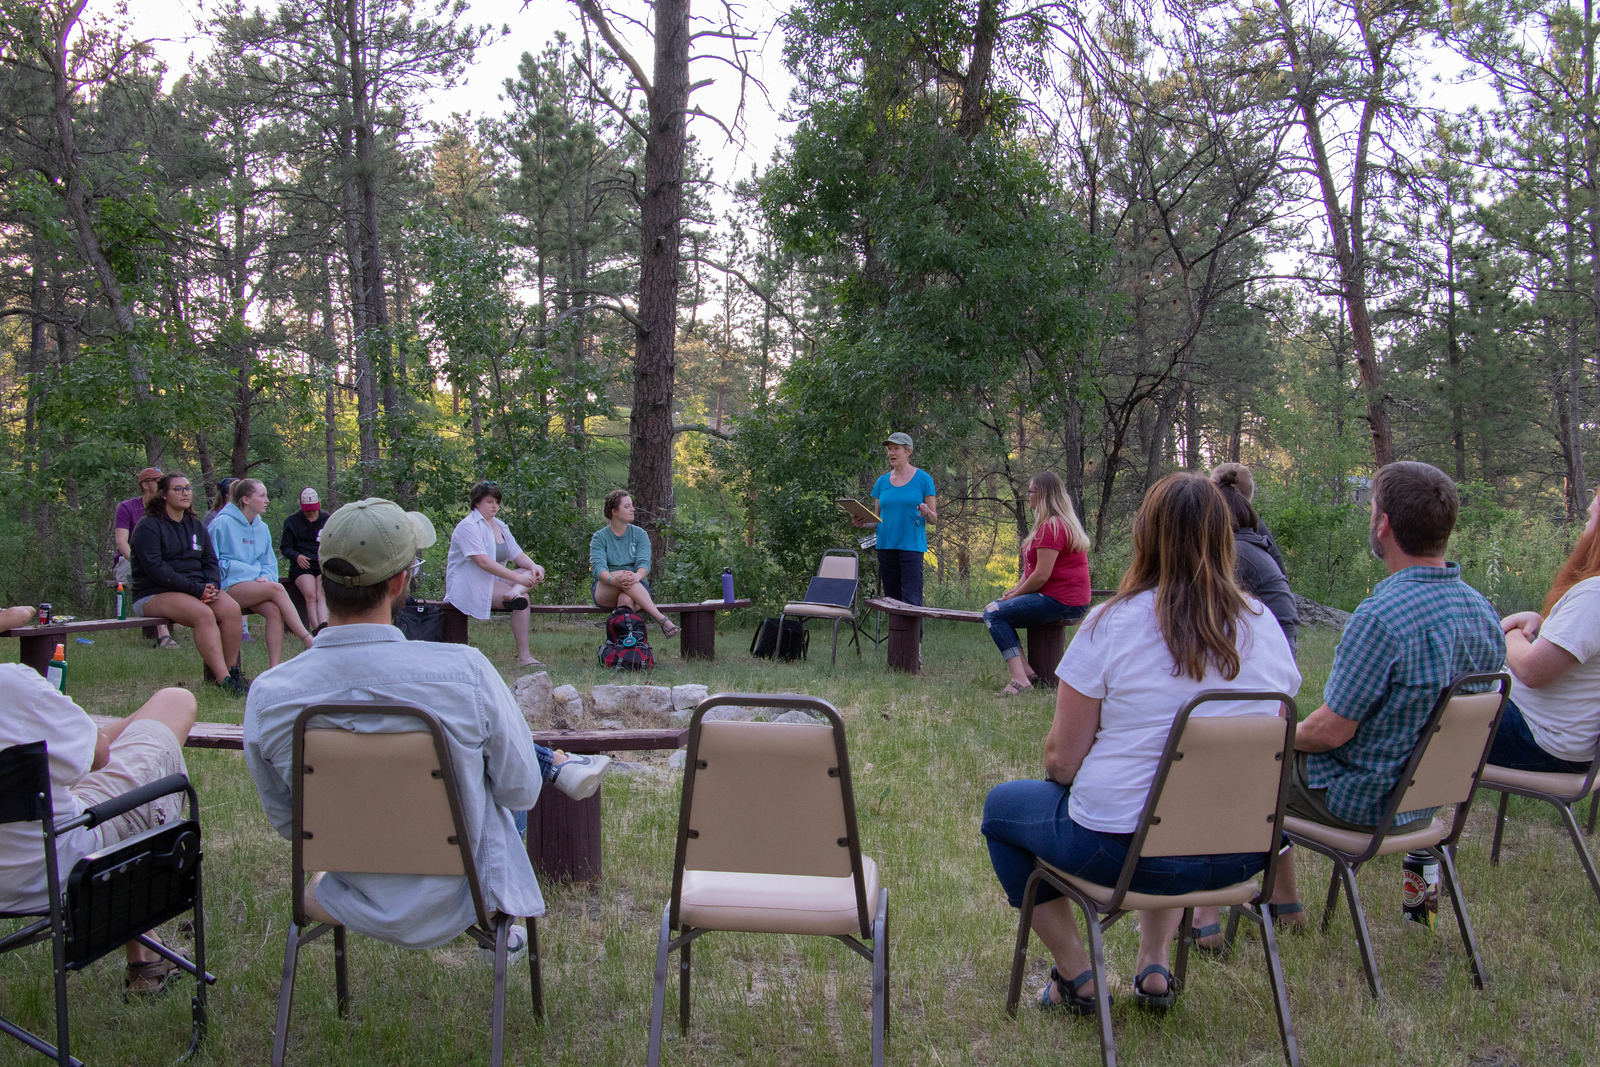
x=536, y=697
x=685, y=697
x=649, y=700
x=678, y=759
x=796, y=716
x=569, y=704
x=610, y=724
x=641, y=770
x=1314, y=614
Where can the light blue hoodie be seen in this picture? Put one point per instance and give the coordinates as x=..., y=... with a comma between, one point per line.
x=244, y=548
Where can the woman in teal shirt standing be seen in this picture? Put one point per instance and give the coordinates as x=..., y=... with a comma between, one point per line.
x=906, y=504
x=619, y=560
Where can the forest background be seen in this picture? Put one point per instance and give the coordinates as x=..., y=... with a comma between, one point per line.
x=1110, y=240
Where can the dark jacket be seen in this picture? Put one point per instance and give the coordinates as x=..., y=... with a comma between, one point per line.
x=1272, y=547
x=300, y=537
x=172, y=557
x=1261, y=576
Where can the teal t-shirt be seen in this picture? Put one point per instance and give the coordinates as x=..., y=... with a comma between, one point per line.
x=901, y=525
x=608, y=552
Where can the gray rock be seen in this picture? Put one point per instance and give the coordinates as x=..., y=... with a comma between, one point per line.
x=685, y=697
x=536, y=697
x=678, y=759
x=1314, y=614
x=729, y=713
x=796, y=716
x=568, y=704
x=650, y=700
x=610, y=724
x=637, y=770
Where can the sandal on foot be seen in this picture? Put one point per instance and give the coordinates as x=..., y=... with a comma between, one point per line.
x=1209, y=930
x=1012, y=689
x=669, y=628
x=167, y=642
x=148, y=979
x=1279, y=910
x=1070, y=1001
x=1157, y=1002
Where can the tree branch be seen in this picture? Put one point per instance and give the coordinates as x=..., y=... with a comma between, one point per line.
x=700, y=427
x=592, y=11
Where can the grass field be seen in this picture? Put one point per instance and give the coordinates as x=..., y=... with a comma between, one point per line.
x=925, y=751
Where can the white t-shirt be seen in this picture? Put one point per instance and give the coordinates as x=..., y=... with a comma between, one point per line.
x=1120, y=658
x=1564, y=716
x=31, y=709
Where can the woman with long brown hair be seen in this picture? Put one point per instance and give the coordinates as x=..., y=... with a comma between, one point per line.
x=1552, y=721
x=1179, y=624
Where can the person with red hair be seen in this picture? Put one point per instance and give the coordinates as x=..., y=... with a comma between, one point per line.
x=1552, y=721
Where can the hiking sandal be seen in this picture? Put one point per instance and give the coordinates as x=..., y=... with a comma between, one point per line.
x=148, y=979
x=1070, y=1001
x=1156, y=1002
x=1287, y=909
x=1012, y=689
x=167, y=642
x=669, y=628
x=1216, y=952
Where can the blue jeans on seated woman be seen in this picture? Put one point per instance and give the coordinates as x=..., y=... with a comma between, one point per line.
x=1029, y=609
x=1514, y=747
x=1029, y=818
x=547, y=773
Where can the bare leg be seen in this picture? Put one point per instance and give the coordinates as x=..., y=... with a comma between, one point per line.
x=186, y=610
x=635, y=596
x=1057, y=927
x=230, y=623
x=311, y=590
x=271, y=599
x=521, y=619
x=1283, y=892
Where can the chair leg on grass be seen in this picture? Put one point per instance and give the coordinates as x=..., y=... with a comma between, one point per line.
x=341, y=972
x=1499, y=830
x=1102, y=994
x=1594, y=808
x=658, y=996
x=1182, y=968
x=1469, y=940
x=1584, y=857
x=1280, y=992
x=533, y=969
x=1019, y=958
x=291, y=959
x=1363, y=936
x=685, y=962
x=1332, y=901
x=199, y=1019
x=497, y=1007
x=880, y=979
x=835, y=661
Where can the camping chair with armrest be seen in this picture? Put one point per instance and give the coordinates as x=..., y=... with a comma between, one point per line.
x=1558, y=788
x=767, y=843
x=113, y=896
x=1442, y=772
x=382, y=803
x=831, y=595
x=1219, y=789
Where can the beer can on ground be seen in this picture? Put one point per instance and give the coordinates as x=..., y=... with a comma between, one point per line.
x=44, y=614
x=1420, y=889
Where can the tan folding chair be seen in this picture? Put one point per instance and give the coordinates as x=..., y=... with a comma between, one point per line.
x=831, y=595
x=1442, y=772
x=382, y=803
x=1219, y=789
x=1561, y=789
x=767, y=843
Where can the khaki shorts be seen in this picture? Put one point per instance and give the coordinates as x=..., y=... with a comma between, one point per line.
x=146, y=751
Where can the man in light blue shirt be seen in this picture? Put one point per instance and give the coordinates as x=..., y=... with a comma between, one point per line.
x=367, y=552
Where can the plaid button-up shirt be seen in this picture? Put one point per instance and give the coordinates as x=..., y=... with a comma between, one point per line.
x=1421, y=627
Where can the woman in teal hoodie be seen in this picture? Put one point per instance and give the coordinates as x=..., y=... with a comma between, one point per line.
x=250, y=567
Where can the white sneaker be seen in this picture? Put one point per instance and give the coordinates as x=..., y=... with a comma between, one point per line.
x=516, y=949
x=580, y=776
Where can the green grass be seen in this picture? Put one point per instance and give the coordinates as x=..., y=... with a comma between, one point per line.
x=925, y=751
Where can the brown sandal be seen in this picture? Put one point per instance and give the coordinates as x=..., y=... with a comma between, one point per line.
x=1012, y=689
x=149, y=979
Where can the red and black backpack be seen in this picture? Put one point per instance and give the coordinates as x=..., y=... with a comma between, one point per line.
x=627, y=646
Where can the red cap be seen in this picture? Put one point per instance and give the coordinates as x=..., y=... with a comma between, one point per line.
x=149, y=474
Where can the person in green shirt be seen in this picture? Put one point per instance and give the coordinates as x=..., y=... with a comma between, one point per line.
x=619, y=559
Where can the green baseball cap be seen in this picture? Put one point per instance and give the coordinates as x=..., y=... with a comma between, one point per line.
x=898, y=439
x=377, y=537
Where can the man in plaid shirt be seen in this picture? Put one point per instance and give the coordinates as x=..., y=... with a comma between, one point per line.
x=1421, y=627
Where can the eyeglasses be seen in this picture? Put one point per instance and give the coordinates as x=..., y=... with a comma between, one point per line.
x=180, y=488
x=416, y=566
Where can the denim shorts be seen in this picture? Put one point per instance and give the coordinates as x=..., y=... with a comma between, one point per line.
x=1515, y=747
x=1028, y=819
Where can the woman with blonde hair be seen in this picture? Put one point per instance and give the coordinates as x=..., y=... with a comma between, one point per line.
x=1055, y=577
x=1179, y=625
x=249, y=567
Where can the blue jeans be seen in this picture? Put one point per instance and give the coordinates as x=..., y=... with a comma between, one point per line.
x=1029, y=818
x=1029, y=609
x=901, y=571
x=1514, y=747
x=547, y=772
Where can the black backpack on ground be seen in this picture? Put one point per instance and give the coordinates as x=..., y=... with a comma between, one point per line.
x=421, y=622
x=793, y=645
x=627, y=646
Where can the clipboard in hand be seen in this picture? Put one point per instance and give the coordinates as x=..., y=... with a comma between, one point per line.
x=858, y=510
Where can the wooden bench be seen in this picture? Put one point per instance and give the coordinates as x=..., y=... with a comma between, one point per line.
x=1045, y=644
x=39, y=642
x=697, y=639
x=563, y=834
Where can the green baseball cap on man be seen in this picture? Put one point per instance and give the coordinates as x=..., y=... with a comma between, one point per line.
x=375, y=536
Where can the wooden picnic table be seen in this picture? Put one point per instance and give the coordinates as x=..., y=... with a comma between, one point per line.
x=1045, y=644
x=39, y=642
x=697, y=640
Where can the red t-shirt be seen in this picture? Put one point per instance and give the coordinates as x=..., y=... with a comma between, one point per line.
x=1069, y=581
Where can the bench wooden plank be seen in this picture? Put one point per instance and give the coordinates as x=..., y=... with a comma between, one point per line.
x=38, y=643
x=1046, y=643
x=697, y=638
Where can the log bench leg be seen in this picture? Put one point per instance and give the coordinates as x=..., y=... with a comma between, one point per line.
x=905, y=643
x=1046, y=645
x=699, y=637
x=455, y=633
x=298, y=599
x=36, y=652
x=564, y=837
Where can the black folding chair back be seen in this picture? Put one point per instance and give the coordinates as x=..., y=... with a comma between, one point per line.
x=831, y=596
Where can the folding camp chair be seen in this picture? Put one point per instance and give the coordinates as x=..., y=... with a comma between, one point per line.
x=1443, y=771
x=832, y=595
x=113, y=896
x=767, y=843
x=382, y=803
x=1218, y=789
x=1560, y=789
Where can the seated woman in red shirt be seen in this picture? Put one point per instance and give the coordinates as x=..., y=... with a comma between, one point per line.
x=1055, y=577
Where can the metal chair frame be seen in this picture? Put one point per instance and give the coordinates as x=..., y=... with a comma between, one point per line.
x=490, y=931
x=855, y=593
x=874, y=923
x=1346, y=864
x=1563, y=803
x=1100, y=917
x=25, y=796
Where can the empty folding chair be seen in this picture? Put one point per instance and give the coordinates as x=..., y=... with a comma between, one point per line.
x=1560, y=789
x=1443, y=772
x=767, y=843
x=111, y=897
x=1219, y=789
x=831, y=595
x=382, y=803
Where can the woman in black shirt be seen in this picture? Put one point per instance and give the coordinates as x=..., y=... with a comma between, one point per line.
x=175, y=576
x=302, y=532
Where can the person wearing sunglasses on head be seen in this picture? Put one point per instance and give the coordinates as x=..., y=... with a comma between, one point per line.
x=176, y=576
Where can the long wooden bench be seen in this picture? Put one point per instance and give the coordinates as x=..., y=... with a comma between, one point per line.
x=563, y=834
x=1045, y=644
x=39, y=642
x=696, y=640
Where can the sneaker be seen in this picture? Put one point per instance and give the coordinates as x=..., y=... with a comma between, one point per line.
x=235, y=686
x=516, y=949
x=245, y=636
x=580, y=776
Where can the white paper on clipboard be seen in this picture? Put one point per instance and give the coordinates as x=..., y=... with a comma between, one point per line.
x=859, y=510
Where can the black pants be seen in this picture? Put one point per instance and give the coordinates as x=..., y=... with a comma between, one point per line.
x=901, y=571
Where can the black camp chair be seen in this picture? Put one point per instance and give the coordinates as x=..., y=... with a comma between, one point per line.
x=831, y=595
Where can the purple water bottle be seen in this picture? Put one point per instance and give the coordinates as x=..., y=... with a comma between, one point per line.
x=727, y=585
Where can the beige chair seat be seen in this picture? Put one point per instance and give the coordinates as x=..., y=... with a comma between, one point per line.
x=774, y=903
x=817, y=611
x=1225, y=897
x=1559, y=783
x=1354, y=843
